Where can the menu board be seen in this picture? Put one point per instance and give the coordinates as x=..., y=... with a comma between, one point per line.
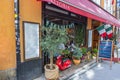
x=105, y=49
x=31, y=40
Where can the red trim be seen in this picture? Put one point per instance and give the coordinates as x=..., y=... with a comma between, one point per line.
x=112, y=2
x=113, y=59
x=87, y=9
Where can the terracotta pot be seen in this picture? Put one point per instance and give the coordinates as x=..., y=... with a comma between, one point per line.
x=51, y=74
x=76, y=61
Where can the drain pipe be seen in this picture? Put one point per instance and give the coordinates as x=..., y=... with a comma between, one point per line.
x=17, y=30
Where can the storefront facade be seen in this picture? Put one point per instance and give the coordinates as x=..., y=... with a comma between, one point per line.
x=74, y=24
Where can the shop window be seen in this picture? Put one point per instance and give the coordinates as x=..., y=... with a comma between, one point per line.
x=80, y=34
x=63, y=18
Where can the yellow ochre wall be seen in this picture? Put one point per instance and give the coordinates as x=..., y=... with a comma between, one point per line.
x=30, y=10
x=7, y=35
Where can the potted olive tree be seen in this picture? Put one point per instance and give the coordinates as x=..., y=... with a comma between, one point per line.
x=51, y=39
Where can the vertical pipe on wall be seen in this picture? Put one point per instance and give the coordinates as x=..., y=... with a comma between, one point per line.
x=115, y=31
x=17, y=30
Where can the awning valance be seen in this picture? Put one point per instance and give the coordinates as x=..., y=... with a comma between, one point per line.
x=86, y=8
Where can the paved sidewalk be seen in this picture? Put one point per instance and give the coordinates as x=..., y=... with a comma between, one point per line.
x=101, y=72
x=64, y=75
x=97, y=73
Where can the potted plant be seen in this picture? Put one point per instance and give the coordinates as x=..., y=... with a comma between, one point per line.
x=77, y=54
x=84, y=52
x=66, y=53
x=51, y=39
x=89, y=55
x=94, y=52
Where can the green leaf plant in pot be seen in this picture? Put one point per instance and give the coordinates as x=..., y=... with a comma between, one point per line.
x=77, y=54
x=51, y=39
x=84, y=52
x=94, y=52
x=66, y=53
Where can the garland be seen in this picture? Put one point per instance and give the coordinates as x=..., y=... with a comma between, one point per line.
x=51, y=24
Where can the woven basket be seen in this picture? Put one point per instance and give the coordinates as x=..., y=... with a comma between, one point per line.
x=51, y=74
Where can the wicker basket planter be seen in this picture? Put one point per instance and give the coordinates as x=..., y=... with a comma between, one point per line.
x=51, y=74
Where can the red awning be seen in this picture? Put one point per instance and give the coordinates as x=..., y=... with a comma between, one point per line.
x=86, y=8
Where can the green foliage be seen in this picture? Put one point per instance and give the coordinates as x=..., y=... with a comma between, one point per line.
x=95, y=50
x=66, y=53
x=52, y=38
x=79, y=35
x=77, y=54
x=84, y=50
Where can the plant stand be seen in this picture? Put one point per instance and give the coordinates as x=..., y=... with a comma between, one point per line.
x=51, y=74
